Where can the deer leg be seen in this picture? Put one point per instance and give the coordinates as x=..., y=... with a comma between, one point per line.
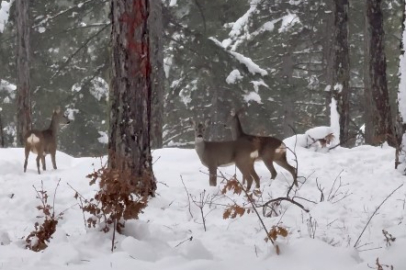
x=38, y=158
x=246, y=173
x=269, y=164
x=213, y=176
x=53, y=160
x=255, y=175
x=283, y=162
x=27, y=153
x=44, y=167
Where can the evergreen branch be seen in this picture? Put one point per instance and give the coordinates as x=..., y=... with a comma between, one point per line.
x=202, y=15
x=87, y=41
x=76, y=7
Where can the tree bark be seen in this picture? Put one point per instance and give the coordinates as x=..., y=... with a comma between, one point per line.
x=382, y=129
x=1, y=133
x=23, y=70
x=341, y=76
x=157, y=73
x=400, y=124
x=131, y=93
x=368, y=133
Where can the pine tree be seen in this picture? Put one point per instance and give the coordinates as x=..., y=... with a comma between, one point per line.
x=130, y=123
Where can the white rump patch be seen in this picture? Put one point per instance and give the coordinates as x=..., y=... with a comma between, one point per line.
x=254, y=154
x=33, y=139
x=281, y=149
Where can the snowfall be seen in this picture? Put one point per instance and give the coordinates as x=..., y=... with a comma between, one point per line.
x=342, y=189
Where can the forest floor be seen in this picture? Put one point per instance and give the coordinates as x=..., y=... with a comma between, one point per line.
x=341, y=188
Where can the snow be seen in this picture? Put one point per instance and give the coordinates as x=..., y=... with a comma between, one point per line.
x=99, y=88
x=288, y=21
x=252, y=67
x=233, y=77
x=104, y=138
x=242, y=23
x=252, y=96
x=316, y=133
x=334, y=118
x=4, y=13
x=170, y=233
x=173, y=3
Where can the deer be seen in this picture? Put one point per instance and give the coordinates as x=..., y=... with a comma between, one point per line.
x=43, y=142
x=270, y=149
x=241, y=152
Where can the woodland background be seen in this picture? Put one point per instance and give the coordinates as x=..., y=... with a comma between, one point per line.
x=290, y=41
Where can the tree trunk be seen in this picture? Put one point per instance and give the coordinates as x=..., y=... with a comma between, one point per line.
x=131, y=93
x=1, y=133
x=328, y=59
x=381, y=112
x=400, y=125
x=368, y=133
x=287, y=97
x=341, y=76
x=23, y=70
x=157, y=73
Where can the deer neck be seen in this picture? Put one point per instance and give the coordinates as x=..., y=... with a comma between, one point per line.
x=54, y=125
x=199, y=146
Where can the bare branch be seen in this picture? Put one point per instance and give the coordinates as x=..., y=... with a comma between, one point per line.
x=374, y=213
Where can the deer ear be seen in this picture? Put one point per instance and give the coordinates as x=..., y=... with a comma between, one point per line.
x=57, y=109
x=207, y=122
x=191, y=122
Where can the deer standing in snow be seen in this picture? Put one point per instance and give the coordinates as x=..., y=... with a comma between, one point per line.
x=242, y=152
x=270, y=149
x=42, y=142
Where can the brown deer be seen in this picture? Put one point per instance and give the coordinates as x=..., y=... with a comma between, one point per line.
x=42, y=142
x=242, y=152
x=270, y=149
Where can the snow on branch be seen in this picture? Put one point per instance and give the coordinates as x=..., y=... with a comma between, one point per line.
x=251, y=66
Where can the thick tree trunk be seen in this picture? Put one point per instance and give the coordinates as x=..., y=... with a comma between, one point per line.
x=382, y=129
x=328, y=59
x=130, y=123
x=23, y=70
x=368, y=134
x=400, y=124
x=341, y=76
x=157, y=73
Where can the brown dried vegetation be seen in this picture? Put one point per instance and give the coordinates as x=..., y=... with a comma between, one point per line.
x=37, y=240
x=117, y=200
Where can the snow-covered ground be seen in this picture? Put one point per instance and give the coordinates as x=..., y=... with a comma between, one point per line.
x=354, y=182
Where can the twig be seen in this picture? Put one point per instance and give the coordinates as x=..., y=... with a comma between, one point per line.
x=259, y=217
x=189, y=239
x=331, y=190
x=187, y=195
x=286, y=199
x=202, y=203
x=53, y=203
x=81, y=198
x=319, y=187
x=373, y=214
x=114, y=235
